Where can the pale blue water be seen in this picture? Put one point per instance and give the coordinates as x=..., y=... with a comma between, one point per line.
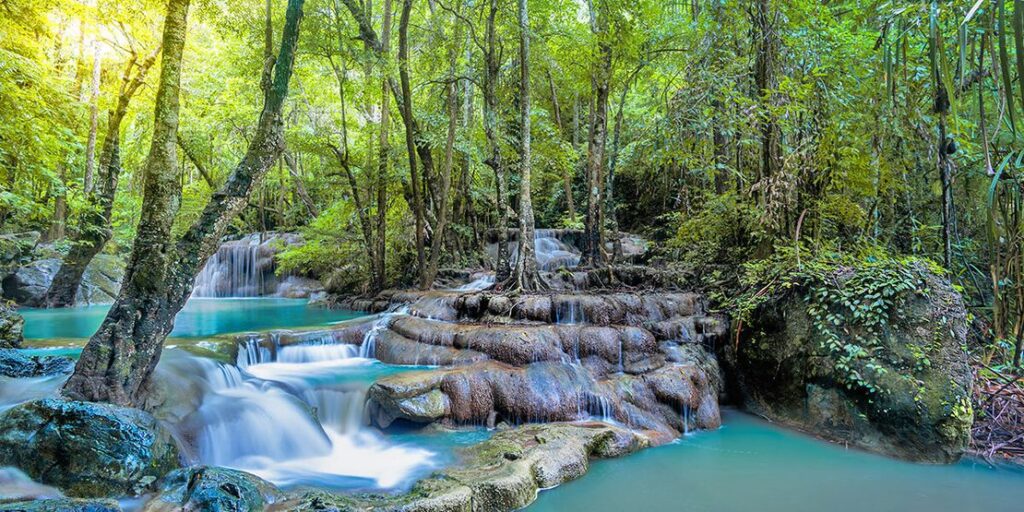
x=750, y=465
x=199, y=317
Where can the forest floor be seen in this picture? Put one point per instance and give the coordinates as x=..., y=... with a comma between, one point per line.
x=997, y=435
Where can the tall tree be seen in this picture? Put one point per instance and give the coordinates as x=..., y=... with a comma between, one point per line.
x=492, y=67
x=600, y=84
x=383, y=158
x=119, y=359
x=94, y=227
x=452, y=106
x=525, y=276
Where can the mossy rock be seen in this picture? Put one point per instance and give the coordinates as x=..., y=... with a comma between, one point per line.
x=86, y=449
x=213, y=489
x=908, y=393
x=62, y=505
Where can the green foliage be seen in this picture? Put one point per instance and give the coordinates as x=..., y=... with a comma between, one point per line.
x=852, y=302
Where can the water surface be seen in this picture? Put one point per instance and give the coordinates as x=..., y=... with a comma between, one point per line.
x=199, y=317
x=751, y=465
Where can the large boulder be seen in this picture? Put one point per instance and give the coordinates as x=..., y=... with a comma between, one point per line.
x=870, y=356
x=86, y=449
x=205, y=488
x=15, y=364
x=28, y=284
x=11, y=326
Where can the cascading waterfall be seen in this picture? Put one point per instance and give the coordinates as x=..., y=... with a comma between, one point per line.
x=551, y=252
x=240, y=268
x=292, y=414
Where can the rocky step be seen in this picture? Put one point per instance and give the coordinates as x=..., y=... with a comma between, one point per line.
x=670, y=399
x=410, y=340
x=625, y=308
x=504, y=473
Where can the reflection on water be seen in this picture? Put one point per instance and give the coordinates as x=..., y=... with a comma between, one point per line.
x=199, y=317
x=751, y=465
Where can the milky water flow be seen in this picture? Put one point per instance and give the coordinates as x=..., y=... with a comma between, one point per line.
x=290, y=416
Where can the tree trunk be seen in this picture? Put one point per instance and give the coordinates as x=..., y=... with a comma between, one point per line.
x=383, y=158
x=764, y=81
x=594, y=222
x=116, y=364
x=95, y=231
x=94, y=109
x=58, y=225
x=525, y=277
x=494, y=161
x=441, y=222
x=410, y=137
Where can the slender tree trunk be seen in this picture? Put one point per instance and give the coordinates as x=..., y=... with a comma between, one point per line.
x=594, y=222
x=94, y=109
x=95, y=229
x=941, y=107
x=441, y=222
x=383, y=158
x=491, y=131
x=116, y=364
x=410, y=137
x=58, y=226
x=525, y=277
x=764, y=81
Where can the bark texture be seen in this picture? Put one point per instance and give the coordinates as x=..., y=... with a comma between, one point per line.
x=116, y=364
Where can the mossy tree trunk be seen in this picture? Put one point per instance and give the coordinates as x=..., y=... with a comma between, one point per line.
x=525, y=276
x=119, y=359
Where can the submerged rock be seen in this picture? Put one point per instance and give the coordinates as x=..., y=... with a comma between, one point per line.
x=15, y=364
x=86, y=449
x=904, y=391
x=28, y=284
x=205, y=488
x=62, y=505
x=11, y=326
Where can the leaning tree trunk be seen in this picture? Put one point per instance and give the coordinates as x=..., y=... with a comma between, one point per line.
x=95, y=230
x=525, y=276
x=116, y=364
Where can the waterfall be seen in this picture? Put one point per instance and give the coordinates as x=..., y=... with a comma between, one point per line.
x=551, y=252
x=481, y=283
x=253, y=350
x=293, y=415
x=568, y=310
x=246, y=268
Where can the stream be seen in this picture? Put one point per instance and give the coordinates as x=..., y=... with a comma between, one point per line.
x=256, y=415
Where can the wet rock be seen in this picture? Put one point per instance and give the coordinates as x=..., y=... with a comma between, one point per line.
x=15, y=364
x=86, y=449
x=501, y=474
x=672, y=399
x=62, y=505
x=908, y=395
x=11, y=326
x=205, y=488
x=28, y=284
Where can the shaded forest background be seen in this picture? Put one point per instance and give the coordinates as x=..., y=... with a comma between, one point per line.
x=743, y=138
